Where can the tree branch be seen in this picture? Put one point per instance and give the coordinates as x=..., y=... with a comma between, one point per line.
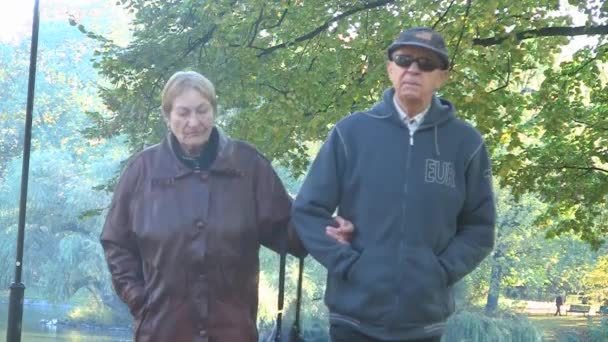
x=466, y=18
x=590, y=125
x=325, y=25
x=256, y=26
x=508, y=80
x=199, y=42
x=545, y=32
x=444, y=14
x=280, y=21
x=280, y=91
x=582, y=168
x=583, y=66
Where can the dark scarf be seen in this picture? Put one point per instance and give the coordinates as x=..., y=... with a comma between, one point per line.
x=207, y=156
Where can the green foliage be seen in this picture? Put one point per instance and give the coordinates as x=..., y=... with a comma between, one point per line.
x=597, y=280
x=476, y=327
x=286, y=71
x=62, y=251
x=62, y=254
x=7, y=256
x=524, y=264
x=90, y=310
x=566, y=144
x=64, y=89
x=291, y=183
x=518, y=239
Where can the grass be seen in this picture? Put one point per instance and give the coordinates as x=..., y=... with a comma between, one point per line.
x=553, y=327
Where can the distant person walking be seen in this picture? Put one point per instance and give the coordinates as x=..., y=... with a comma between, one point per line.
x=559, y=301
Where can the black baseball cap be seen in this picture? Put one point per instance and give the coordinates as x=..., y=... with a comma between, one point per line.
x=423, y=37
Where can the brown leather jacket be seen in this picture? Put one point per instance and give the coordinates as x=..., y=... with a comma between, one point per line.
x=182, y=246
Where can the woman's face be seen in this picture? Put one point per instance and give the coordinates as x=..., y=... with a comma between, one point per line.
x=191, y=120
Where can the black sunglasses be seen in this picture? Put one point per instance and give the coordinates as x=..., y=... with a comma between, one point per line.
x=424, y=64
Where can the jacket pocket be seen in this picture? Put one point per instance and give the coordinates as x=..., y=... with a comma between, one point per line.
x=424, y=294
x=367, y=292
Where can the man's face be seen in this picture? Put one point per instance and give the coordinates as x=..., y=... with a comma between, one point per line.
x=411, y=83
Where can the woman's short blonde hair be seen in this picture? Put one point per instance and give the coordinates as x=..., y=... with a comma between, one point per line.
x=182, y=81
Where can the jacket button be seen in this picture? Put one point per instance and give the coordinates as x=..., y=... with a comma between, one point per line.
x=203, y=333
x=200, y=224
x=204, y=176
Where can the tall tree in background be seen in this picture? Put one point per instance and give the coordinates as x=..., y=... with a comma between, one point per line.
x=62, y=254
x=287, y=70
x=523, y=263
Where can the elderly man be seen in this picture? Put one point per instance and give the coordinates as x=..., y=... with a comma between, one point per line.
x=416, y=182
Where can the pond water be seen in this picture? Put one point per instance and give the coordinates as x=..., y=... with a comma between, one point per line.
x=33, y=331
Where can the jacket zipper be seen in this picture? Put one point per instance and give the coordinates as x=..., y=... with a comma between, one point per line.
x=401, y=242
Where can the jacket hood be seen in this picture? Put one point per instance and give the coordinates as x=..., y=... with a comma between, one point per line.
x=441, y=111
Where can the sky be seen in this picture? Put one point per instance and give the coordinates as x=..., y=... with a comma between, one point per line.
x=16, y=17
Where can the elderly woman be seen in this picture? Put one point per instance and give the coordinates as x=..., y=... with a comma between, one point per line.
x=186, y=222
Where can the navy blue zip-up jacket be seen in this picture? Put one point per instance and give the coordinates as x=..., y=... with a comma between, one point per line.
x=423, y=211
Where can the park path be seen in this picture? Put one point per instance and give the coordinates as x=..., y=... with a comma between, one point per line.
x=554, y=326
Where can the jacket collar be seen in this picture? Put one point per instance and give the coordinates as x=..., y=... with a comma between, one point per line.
x=225, y=163
x=440, y=111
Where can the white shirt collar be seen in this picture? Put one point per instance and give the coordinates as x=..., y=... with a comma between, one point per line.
x=412, y=123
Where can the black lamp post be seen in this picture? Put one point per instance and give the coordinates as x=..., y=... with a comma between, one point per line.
x=15, y=312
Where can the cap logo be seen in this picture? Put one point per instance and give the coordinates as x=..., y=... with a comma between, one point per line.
x=424, y=35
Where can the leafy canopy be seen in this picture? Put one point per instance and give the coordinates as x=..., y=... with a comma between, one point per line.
x=287, y=70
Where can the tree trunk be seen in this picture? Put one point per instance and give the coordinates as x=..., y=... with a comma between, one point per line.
x=495, y=279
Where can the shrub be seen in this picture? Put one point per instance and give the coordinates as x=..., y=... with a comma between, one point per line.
x=477, y=327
